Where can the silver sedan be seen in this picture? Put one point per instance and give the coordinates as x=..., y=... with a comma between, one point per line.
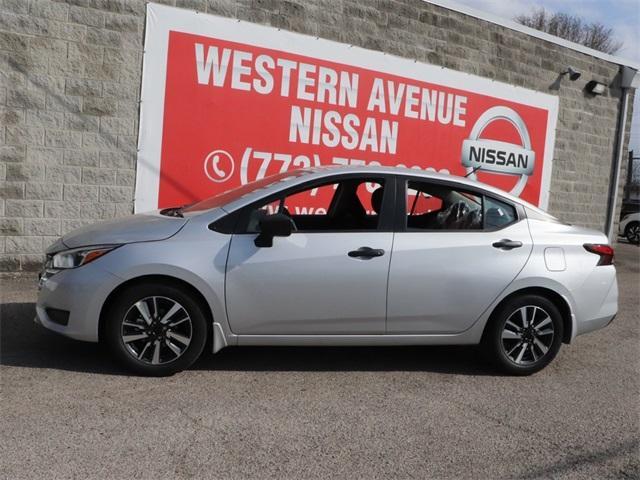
x=332, y=256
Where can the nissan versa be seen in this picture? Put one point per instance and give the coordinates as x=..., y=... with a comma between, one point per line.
x=393, y=257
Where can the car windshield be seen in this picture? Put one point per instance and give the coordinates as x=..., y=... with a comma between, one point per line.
x=242, y=191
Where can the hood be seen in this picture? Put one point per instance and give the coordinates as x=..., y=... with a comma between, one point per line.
x=134, y=228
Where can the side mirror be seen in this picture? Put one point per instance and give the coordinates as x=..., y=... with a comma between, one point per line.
x=276, y=225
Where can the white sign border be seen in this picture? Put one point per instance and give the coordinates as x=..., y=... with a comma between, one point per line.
x=162, y=19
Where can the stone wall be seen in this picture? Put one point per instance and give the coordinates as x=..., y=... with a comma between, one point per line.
x=70, y=84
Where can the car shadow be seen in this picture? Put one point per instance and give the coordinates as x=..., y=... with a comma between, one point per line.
x=622, y=239
x=23, y=343
x=440, y=359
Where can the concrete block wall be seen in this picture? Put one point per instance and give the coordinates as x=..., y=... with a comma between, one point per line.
x=70, y=84
x=69, y=89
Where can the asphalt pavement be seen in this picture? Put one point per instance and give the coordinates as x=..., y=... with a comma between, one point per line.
x=67, y=411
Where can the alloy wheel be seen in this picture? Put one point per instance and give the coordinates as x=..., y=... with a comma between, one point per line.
x=156, y=330
x=527, y=335
x=633, y=233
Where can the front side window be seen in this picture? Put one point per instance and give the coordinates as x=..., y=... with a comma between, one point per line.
x=440, y=207
x=350, y=204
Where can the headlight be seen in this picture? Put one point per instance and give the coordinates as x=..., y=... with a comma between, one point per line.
x=78, y=256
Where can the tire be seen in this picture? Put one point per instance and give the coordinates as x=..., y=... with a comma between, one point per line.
x=155, y=329
x=516, y=348
x=632, y=232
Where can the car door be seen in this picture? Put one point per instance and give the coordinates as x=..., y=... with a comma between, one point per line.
x=453, y=253
x=329, y=276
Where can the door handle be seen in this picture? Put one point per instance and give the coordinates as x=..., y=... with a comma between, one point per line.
x=366, y=252
x=506, y=244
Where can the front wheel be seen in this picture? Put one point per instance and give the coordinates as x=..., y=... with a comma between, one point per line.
x=524, y=335
x=632, y=232
x=155, y=329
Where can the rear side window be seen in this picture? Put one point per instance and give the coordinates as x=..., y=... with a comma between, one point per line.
x=498, y=214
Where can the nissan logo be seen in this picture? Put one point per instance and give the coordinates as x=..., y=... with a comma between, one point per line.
x=499, y=157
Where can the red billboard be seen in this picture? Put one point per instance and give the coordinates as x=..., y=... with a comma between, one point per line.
x=227, y=102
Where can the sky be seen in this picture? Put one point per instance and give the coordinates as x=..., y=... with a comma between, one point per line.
x=621, y=15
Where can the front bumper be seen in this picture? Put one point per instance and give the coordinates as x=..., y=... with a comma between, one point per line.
x=80, y=291
x=621, y=227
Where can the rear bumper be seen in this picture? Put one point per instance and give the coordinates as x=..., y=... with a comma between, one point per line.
x=595, y=324
x=604, y=314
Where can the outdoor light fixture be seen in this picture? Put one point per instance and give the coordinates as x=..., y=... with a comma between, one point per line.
x=595, y=88
x=573, y=73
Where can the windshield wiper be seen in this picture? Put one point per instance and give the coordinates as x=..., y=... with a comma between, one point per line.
x=172, y=212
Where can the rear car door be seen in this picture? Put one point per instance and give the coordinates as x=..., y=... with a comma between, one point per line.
x=329, y=276
x=454, y=252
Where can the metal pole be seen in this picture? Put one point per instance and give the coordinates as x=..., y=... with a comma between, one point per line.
x=629, y=171
x=614, y=180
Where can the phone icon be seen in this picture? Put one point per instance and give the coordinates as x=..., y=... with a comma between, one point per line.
x=215, y=161
x=219, y=166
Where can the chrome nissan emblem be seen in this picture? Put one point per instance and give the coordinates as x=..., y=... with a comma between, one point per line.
x=496, y=156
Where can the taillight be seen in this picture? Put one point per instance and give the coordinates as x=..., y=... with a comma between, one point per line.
x=604, y=251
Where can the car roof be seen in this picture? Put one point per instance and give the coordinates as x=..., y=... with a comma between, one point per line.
x=302, y=176
x=426, y=174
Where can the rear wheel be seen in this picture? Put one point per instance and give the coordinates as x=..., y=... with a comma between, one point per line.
x=524, y=335
x=632, y=232
x=155, y=329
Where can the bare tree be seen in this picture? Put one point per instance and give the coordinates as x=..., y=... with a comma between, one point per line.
x=571, y=27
